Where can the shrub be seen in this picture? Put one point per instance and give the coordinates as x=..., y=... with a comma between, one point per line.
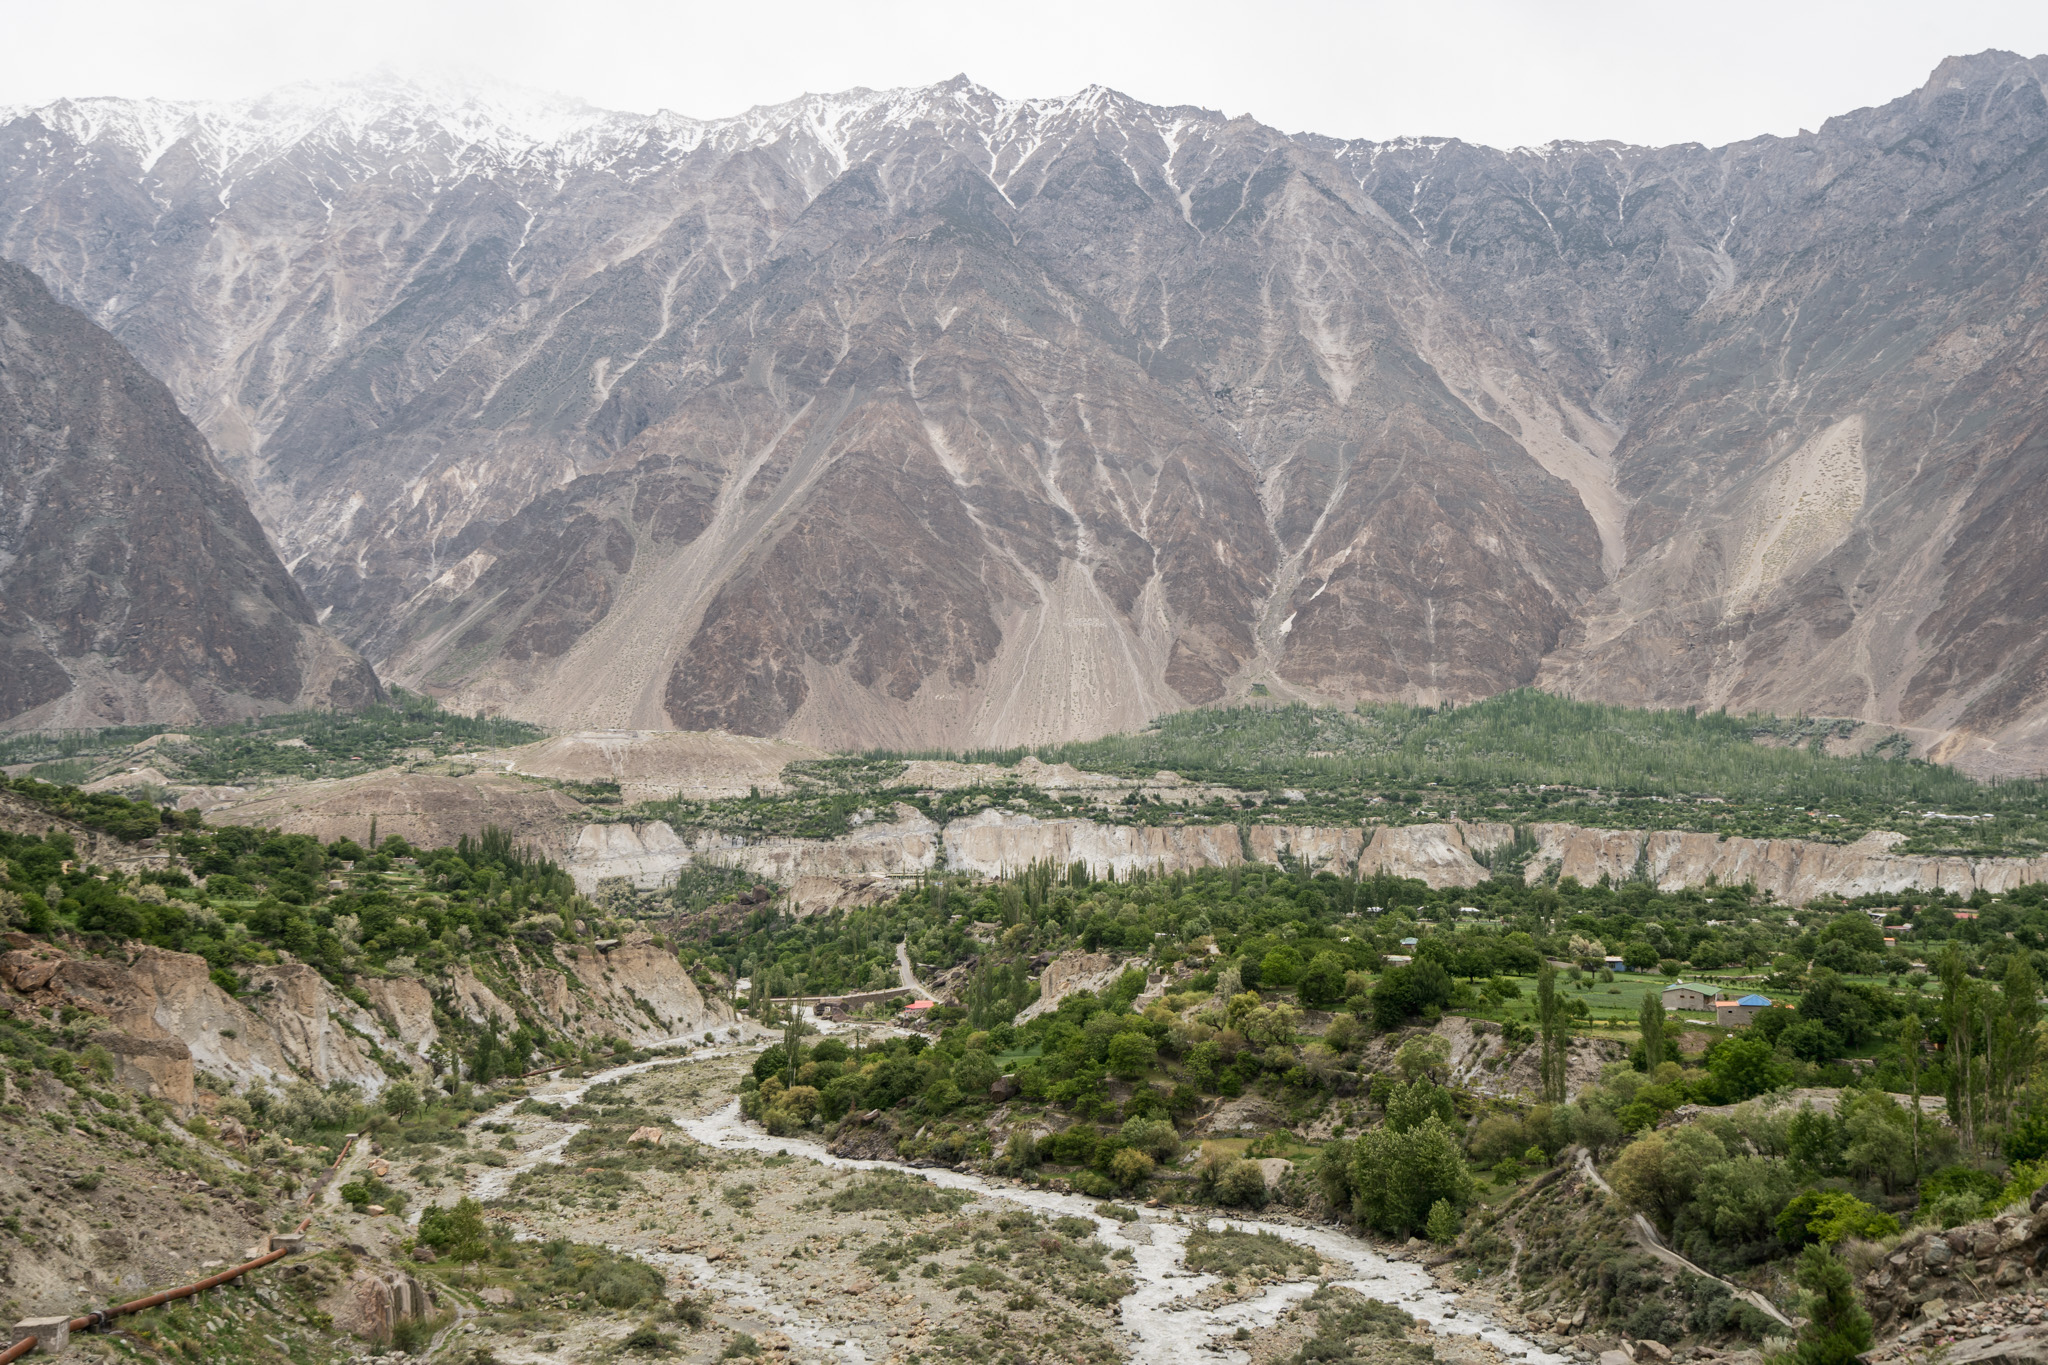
x=1959, y=1191
x=457, y=1233
x=1231, y=1253
x=610, y=1279
x=1829, y=1217
x=1444, y=1222
x=1241, y=1183
x=1155, y=1137
x=2027, y=1139
x=1130, y=1167
x=648, y=1339
x=907, y=1195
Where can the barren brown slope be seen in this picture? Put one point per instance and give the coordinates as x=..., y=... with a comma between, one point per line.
x=134, y=584
x=961, y=501
x=924, y=416
x=1839, y=467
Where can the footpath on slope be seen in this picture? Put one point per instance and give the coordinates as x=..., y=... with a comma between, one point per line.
x=909, y=974
x=1651, y=1242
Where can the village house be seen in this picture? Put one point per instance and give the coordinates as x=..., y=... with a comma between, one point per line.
x=1738, y=1013
x=1679, y=996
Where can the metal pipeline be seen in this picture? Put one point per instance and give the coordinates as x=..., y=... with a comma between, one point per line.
x=101, y=1316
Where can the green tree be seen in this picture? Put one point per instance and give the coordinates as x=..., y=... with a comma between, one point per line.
x=1651, y=1020
x=1423, y=1055
x=1959, y=1018
x=1396, y=1178
x=1410, y=1105
x=1444, y=1223
x=458, y=1232
x=1878, y=1138
x=1659, y=1173
x=1552, y=1034
x=1322, y=985
x=1131, y=1055
x=1281, y=967
x=1910, y=1033
x=401, y=1099
x=1738, y=1200
x=1829, y=1217
x=1742, y=1068
x=1837, y=1330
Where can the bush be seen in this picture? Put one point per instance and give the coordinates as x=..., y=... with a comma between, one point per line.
x=1444, y=1223
x=907, y=1195
x=648, y=1339
x=1232, y=1253
x=1829, y=1217
x=2027, y=1139
x=1958, y=1192
x=1155, y=1137
x=1130, y=1167
x=610, y=1279
x=457, y=1233
x=1241, y=1184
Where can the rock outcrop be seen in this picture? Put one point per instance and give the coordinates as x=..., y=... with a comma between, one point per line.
x=1794, y=870
x=135, y=586
x=167, y=1020
x=652, y=853
x=1932, y=1273
x=1067, y=974
x=859, y=867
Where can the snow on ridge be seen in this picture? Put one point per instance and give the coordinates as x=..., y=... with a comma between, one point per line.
x=475, y=121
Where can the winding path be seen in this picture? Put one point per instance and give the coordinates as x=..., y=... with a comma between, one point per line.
x=909, y=976
x=1646, y=1233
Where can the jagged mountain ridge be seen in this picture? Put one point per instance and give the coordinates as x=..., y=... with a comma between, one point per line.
x=134, y=584
x=925, y=416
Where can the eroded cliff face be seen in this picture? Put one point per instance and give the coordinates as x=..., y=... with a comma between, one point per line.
x=992, y=843
x=166, y=1019
x=1794, y=870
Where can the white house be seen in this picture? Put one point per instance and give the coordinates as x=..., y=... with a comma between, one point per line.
x=1679, y=996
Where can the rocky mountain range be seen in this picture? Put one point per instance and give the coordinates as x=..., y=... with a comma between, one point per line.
x=134, y=583
x=930, y=417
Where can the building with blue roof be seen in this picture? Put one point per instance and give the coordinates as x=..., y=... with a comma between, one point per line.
x=1738, y=1013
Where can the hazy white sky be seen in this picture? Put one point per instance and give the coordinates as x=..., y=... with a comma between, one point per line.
x=1491, y=71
